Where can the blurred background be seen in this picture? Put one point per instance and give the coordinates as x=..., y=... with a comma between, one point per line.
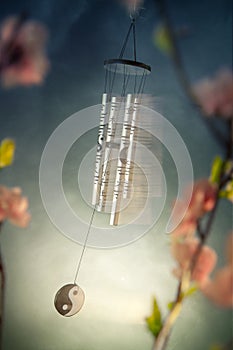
x=119, y=283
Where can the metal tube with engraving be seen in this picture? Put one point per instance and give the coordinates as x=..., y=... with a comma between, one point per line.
x=100, y=146
x=128, y=165
x=107, y=153
x=121, y=160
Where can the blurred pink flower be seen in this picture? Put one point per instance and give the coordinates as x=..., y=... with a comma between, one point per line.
x=13, y=206
x=220, y=288
x=203, y=199
x=215, y=95
x=183, y=252
x=22, y=52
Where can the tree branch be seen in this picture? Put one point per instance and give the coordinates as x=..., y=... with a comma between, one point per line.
x=181, y=72
x=203, y=233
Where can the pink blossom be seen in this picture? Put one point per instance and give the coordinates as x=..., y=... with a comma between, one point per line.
x=220, y=288
x=13, y=206
x=22, y=54
x=215, y=95
x=203, y=199
x=184, y=251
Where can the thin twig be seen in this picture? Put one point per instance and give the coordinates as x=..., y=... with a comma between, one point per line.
x=163, y=337
x=203, y=233
x=229, y=153
x=161, y=341
x=8, y=52
x=181, y=72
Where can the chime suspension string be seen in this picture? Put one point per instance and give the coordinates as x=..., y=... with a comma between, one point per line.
x=106, y=80
x=126, y=77
x=111, y=83
x=134, y=40
x=142, y=84
x=135, y=82
x=131, y=27
x=126, y=40
x=84, y=245
x=94, y=210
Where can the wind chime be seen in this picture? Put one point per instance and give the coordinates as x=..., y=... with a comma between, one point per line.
x=114, y=166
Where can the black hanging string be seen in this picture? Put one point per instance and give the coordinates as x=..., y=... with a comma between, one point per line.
x=131, y=27
x=125, y=81
x=126, y=40
x=135, y=81
x=105, y=80
x=84, y=245
x=113, y=80
x=142, y=83
x=108, y=85
x=134, y=40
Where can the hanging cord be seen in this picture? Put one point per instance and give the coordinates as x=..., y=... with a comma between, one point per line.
x=109, y=80
x=84, y=245
x=135, y=51
x=142, y=83
x=125, y=82
x=134, y=39
x=105, y=80
x=112, y=82
x=126, y=40
x=131, y=27
x=135, y=82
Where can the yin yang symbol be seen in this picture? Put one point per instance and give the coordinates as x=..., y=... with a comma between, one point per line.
x=69, y=300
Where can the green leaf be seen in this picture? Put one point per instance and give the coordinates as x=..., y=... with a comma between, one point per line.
x=170, y=305
x=188, y=293
x=7, y=151
x=228, y=165
x=229, y=186
x=154, y=322
x=191, y=291
x=162, y=39
x=216, y=170
x=228, y=191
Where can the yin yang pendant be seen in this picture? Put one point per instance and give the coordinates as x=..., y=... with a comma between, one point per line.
x=69, y=300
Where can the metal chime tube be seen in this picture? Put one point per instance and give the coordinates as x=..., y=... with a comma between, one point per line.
x=121, y=161
x=130, y=148
x=100, y=144
x=107, y=152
